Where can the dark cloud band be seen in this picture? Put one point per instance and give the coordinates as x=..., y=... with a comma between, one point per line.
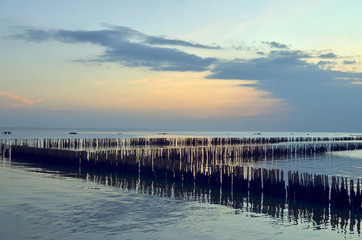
x=130, y=48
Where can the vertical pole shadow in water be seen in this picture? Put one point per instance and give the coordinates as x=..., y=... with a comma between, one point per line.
x=319, y=216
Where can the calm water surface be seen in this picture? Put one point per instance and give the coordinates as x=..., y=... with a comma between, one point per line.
x=38, y=202
x=41, y=203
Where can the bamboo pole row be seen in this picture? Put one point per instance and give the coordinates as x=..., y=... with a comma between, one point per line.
x=308, y=187
x=190, y=165
x=341, y=197
x=230, y=154
x=83, y=143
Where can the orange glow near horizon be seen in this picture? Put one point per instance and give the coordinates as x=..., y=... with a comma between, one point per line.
x=174, y=94
x=19, y=101
x=186, y=94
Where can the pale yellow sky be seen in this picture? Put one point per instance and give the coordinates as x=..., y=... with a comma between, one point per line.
x=188, y=94
x=170, y=93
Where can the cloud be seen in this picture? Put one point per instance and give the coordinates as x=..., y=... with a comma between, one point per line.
x=277, y=65
x=285, y=66
x=274, y=44
x=130, y=48
x=346, y=62
x=317, y=93
x=328, y=55
x=326, y=64
x=163, y=41
x=313, y=92
x=323, y=63
x=160, y=59
x=19, y=101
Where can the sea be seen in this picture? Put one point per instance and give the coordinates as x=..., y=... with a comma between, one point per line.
x=52, y=202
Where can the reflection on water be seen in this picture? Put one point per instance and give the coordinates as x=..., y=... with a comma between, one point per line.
x=317, y=216
x=219, y=166
x=289, y=213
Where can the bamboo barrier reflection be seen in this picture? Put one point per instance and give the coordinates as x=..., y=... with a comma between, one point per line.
x=292, y=211
x=215, y=166
x=296, y=212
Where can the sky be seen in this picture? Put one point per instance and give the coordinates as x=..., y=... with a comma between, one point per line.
x=182, y=64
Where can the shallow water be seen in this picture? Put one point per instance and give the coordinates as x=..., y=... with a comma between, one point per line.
x=47, y=202
x=50, y=203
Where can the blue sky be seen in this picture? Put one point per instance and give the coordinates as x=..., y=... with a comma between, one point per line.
x=208, y=65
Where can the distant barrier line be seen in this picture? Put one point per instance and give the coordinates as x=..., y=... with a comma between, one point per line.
x=82, y=143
